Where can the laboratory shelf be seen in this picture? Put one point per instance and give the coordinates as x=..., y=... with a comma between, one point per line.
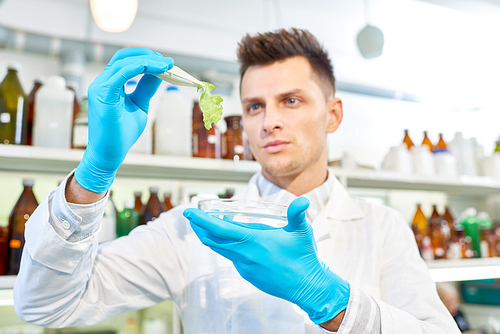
x=18, y=158
x=464, y=270
x=7, y=281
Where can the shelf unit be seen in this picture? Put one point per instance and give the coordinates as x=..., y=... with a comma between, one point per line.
x=15, y=158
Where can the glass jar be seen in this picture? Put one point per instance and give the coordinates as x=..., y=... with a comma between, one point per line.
x=235, y=145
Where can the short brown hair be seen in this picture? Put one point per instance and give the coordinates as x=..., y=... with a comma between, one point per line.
x=270, y=47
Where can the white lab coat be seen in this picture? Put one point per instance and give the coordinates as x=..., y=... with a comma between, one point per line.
x=67, y=284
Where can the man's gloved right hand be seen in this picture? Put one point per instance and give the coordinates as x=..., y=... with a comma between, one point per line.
x=116, y=119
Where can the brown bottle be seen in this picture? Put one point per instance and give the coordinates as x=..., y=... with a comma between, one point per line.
x=4, y=243
x=427, y=142
x=227, y=194
x=30, y=110
x=441, y=145
x=407, y=140
x=419, y=226
x=206, y=143
x=450, y=221
x=153, y=207
x=167, y=201
x=23, y=209
x=138, y=206
x=465, y=242
x=437, y=235
x=235, y=145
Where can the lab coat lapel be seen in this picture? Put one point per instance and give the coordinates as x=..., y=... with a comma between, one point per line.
x=340, y=207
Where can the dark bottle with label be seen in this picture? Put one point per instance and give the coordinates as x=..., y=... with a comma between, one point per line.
x=13, y=120
x=30, y=110
x=206, y=143
x=437, y=235
x=235, y=146
x=153, y=207
x=167, y=201
x=138, y=206
x=23, y=209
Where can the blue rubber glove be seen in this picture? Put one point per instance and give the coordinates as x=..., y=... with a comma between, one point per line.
x=116, y=119
x=279, y=261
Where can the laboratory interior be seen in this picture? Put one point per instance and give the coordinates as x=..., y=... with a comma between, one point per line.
x=418, y=81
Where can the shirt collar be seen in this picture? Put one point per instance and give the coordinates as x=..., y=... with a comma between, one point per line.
x=330, y=195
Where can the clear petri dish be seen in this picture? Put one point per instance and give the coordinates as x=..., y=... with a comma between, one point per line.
x=246, y=211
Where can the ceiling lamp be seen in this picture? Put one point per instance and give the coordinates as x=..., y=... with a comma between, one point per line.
x=370, y=39
x=114, y=15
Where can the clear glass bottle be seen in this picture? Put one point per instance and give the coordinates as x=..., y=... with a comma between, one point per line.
x=23, y=209
x=407, y=140
x=81, y=126
x=13, y=120
x=153, y=208
x=235, y=146
x=30, y=109
x=108, y=222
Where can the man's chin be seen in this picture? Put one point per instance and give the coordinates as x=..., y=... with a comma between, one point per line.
x=280, y=168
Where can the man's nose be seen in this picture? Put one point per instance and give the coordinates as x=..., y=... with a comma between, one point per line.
x=272, y=119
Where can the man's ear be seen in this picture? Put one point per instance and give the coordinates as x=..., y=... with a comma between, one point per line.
x=335, y=114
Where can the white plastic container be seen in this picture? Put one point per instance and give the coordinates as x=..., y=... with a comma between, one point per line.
x=398, y=160
x=464, y=151
x=53, y=114
x=144, y=144
x=173, y=127
x=423, y=160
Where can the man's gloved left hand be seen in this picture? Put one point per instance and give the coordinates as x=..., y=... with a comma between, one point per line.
x=279, y=261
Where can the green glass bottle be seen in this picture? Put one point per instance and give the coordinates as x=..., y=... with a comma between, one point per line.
x=13, y=116
x=497, y=147
x=127, y=220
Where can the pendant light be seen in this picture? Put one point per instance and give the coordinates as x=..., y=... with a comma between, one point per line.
x=114, y=15
x=370, y=39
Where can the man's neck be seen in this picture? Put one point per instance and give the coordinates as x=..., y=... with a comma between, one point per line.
x=301, y=183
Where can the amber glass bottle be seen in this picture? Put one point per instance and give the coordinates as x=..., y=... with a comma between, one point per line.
x=407, y=140
x=23, y=209
x=13, y=120
x=464, y=241
x=441, y=145
x=138, y=206
x=4, y=242
x=30, y=110
x=450, y=221
x=419, y=226
x=153, y=208
x=206, y=143
x=167, y=201
x=427, y=142
x=235, y=146
x=437, y=235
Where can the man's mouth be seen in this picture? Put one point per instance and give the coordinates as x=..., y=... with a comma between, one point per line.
x=275, y=146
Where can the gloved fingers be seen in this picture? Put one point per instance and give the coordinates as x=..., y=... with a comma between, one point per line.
x=220, y=228
x=146, y=88
x=296, y=215
x=132, y=69
x=130, y=52
x=152, y=61
x=210, y=240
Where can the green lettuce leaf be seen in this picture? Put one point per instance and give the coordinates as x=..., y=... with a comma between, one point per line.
x=210, y=105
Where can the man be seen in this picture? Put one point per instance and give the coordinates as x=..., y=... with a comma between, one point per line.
x=340, y=265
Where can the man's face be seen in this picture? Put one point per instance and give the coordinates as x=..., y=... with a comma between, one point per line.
x=287, y=116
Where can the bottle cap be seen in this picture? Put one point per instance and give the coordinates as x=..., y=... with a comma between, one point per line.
x=153, y=190
x=167, y=194
x=137, y=193
x=28, y=182
x=128, y=204
x=14, y=66
x=40, y=79
x=172, y=89
x=56, y=82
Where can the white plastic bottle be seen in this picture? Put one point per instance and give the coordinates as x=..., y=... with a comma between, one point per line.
x=54, y=114
x=173, y=128
x=144, y=144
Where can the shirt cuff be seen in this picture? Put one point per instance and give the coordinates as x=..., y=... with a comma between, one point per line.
x=75, y=222
x=362, y=314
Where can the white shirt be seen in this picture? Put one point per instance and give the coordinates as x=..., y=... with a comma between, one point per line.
x=67, y=279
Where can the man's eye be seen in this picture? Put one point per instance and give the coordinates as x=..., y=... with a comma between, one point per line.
x=292, y=100
x=254, y=107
